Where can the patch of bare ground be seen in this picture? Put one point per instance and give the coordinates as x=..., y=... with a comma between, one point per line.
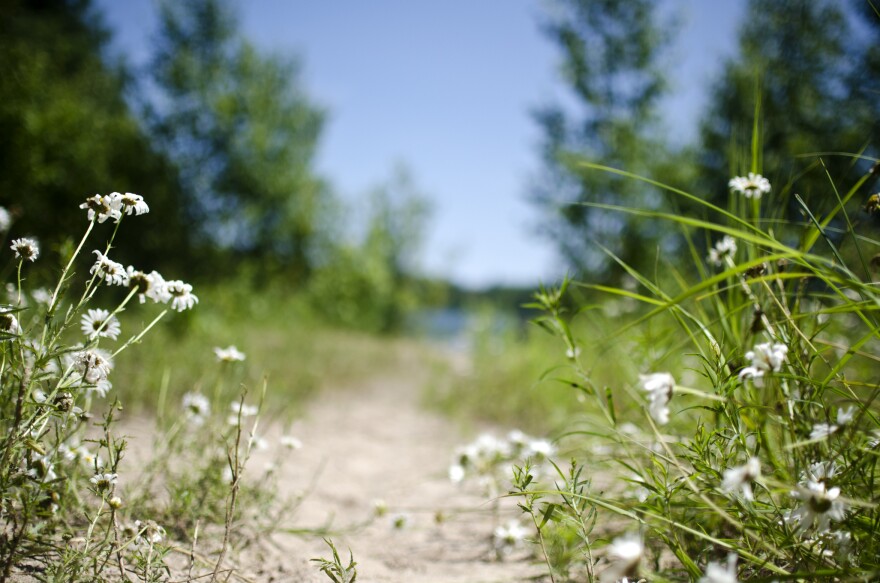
x=364, y=444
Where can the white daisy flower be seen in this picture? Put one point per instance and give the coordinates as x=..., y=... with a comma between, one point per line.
x=148, y=531
x=148, y=285
x=42, y=296
x=9, y=323
x=490, y=447
x=101, y=388
x=819, y=472
x=103, y=482
x=65, y=450
x=197, y=407
x=823, y=430
x=100, y=324
x=42, y=468
x=726, y=247
x=290, y=442
x=108, y=270
x=754, y=374
x=751, y=186
x=244, y=410
x=5, y=219
x=768, y=357
x=765, y=358
x=180, y=294
x=718, y=573
x=509, y=536
x=835, y=544
x=128, y=203
x=26, y=249
x=258, y=443
x=228, y=354
x=625, y=554
x=456, y=473
x=539, y=448
x=517, y=438
x=742, y=478
x=820, y=506
x=659, y=385
x=100, y=208
x=94, y=365
x=89, y=459
x=844, y=416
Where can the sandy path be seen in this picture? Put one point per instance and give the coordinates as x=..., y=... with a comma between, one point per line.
x=374, y=442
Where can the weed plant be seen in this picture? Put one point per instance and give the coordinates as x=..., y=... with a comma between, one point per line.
x=747, y=448
x=71, y=510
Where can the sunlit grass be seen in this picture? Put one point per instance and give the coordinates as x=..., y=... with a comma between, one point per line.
x=727, y=426
x=283, y=341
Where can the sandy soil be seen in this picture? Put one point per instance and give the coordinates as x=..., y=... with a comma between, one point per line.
x=374, y=442
x=363, y=444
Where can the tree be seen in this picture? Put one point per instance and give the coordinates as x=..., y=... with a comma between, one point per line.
x=68, y=133
x=243, y=134
x=372, y=283
x=865, y=76
x=611, y=56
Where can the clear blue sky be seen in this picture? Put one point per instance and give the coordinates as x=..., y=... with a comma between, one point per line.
x=446, y=87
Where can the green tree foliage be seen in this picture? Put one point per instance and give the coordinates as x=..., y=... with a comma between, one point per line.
x=67, y=132
x=812, y=67
x=796, y=56
x=243, y=134
x=865, y=76
x=610, y=53
x=370, y=283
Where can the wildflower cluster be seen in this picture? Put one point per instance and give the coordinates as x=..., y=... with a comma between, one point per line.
x=145, y=285
x=114, y=206
x=52, y=388
x=759, y=461
x=489, y=459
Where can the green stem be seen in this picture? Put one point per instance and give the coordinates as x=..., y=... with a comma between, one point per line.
x=54, y=299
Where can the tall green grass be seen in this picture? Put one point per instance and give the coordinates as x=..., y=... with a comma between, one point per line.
x=730, y=427
x=284, y=342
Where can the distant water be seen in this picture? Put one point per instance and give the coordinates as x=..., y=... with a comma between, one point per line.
x=448, y=326
x=456, y=328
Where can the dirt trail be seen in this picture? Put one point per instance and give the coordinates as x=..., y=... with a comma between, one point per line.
x=374, y=442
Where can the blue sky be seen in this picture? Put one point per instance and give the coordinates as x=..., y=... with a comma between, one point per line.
x=446, y=88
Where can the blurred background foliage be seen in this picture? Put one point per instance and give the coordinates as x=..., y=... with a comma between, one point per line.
x=68, y=132
x=242, y=133
x=810, y=64
x=220, y=138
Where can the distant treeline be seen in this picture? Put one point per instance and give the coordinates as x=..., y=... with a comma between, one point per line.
x=218, y=137
x=806, y=77
x=220, y=140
